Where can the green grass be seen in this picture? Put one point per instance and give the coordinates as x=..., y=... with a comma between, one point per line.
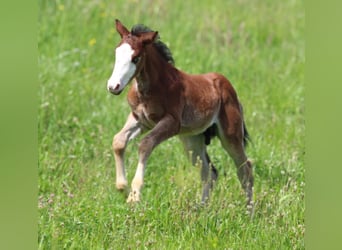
x=258, y=45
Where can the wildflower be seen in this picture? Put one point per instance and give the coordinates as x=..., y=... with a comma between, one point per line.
x=61, y=7
x=103, y=14
x=92, y=42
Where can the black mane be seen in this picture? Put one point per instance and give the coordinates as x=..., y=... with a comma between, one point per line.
x=159, y=45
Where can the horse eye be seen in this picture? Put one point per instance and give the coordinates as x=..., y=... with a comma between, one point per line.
x=136, y=59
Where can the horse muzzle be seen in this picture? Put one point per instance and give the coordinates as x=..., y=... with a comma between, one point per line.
x=114, y=89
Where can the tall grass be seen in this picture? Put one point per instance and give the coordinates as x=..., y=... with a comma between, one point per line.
x=258, y=45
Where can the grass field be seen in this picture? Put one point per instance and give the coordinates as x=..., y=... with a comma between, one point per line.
x=258, y=45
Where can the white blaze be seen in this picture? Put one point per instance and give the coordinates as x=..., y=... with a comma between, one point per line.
x=123, y=68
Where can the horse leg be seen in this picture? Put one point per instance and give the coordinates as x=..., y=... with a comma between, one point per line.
x=165, y=128
x=208, y=181
x=244, y=168
x=231, y=134
x=130, y=130
x=196, y=149
x=214, y=173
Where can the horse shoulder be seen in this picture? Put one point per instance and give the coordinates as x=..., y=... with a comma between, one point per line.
x=132, y=96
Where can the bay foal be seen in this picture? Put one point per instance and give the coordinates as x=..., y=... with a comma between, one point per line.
x=166, y=101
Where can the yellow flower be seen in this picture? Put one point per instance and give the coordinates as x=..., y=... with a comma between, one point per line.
x=61, y=7
x=92, y=42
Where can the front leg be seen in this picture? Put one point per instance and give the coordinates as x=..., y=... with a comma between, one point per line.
x=130, y=130
x=165, y=128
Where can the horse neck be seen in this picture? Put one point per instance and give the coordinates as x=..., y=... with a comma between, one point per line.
x=155, y=72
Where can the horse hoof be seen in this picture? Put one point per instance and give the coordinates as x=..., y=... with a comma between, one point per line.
x=121, y=186
x=250, y=210
x=133, y=197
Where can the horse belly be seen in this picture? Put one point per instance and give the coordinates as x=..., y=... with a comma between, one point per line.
x=195, y=121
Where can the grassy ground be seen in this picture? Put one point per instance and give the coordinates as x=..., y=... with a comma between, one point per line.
x=258, y=45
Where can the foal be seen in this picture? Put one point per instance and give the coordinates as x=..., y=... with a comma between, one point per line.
x=168, y=102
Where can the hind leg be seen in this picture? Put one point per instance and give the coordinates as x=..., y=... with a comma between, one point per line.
x=196, y=149
x=244, y=169
x=231, y=134
x=213, y=170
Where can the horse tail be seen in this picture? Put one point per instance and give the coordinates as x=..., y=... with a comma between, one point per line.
x=246, y=137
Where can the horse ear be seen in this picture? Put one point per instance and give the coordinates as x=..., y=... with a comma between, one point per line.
x=120, y=28
x=148, y=37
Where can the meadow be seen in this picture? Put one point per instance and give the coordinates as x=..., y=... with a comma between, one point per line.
x=258, y=45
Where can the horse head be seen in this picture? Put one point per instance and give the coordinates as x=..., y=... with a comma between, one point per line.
x=129, y=57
